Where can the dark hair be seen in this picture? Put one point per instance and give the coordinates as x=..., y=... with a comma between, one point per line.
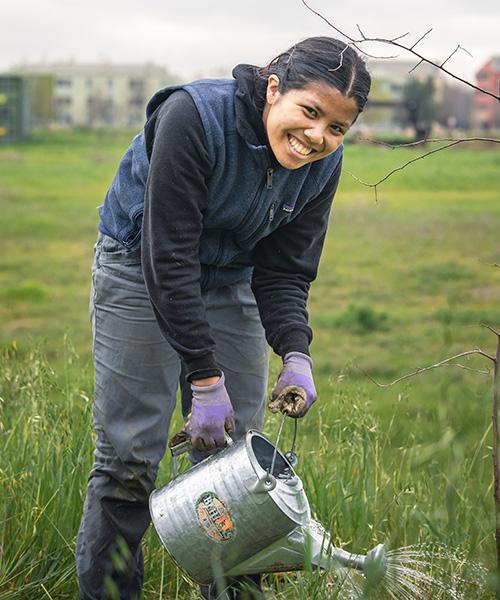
x=322, y=59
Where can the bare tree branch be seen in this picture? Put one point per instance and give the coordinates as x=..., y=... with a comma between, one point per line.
x=393, y=42
x=409, y=162
x=354, y=42
x=427, y=141
x=443, y=363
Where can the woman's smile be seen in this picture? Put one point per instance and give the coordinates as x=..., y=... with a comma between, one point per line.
x=298, y=146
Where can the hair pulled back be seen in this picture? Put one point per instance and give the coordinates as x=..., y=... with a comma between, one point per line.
x=323, y=59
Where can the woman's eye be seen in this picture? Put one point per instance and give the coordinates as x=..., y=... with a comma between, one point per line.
x=336, y=129
x=311, y=111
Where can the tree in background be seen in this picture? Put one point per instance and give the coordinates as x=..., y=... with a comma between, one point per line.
x=420, y=106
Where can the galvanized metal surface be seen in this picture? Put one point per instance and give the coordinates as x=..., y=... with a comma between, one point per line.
x=222, y=512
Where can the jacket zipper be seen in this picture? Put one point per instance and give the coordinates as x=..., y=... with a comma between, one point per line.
x=269, y=186
x=269, y=178
x=266, y=183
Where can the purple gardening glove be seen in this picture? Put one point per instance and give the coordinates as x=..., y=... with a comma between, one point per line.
x=211, y=415
x=295, y=392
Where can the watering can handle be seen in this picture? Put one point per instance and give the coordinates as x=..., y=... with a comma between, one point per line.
x=291, y=455
x=184, y=445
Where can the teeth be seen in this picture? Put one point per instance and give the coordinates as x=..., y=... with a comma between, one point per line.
x=299, y=146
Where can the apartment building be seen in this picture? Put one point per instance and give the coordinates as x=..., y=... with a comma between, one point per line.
x=97, y=95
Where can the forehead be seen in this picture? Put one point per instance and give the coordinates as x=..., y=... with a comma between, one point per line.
x=328, y=101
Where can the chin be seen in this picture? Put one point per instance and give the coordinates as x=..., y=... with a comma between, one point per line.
x=292, y=163
x=289, y=165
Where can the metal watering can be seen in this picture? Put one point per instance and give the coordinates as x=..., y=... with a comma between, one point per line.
x=244, y=511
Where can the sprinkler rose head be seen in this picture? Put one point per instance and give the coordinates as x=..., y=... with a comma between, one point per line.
x=375, y=565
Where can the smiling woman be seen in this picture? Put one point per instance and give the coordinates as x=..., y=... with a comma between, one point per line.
x=209, y=238
x=317, y=88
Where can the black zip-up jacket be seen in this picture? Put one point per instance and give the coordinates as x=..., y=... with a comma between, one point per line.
x=285, y=263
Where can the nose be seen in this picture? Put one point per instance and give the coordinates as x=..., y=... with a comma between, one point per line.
x=315, y=134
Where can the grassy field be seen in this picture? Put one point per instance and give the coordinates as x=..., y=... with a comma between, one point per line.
x=404, y=282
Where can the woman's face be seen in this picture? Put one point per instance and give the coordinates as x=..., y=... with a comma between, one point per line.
x=307, y=124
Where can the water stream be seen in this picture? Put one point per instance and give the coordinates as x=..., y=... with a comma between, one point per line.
x=419, y=572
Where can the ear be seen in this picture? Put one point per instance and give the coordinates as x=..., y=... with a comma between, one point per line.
x=272, y=91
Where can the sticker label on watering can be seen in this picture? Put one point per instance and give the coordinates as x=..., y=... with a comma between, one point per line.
x=214, y=518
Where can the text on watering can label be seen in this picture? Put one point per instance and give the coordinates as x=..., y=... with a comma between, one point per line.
x=214, y=518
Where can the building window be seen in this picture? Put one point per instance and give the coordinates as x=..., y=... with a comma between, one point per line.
x=63, y=101
x=63, y=83
x=136, y=85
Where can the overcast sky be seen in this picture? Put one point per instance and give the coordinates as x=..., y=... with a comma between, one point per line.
x=197, y=37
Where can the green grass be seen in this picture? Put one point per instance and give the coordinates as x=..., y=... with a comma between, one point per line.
x=404, y=282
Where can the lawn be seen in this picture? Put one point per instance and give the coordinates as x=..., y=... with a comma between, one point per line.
x=405, y=281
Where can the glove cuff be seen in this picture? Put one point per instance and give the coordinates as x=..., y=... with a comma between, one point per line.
x=298, y=358
x=214, y=394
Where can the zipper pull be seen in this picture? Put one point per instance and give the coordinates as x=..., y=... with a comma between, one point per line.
x=271, y=212
x=269, y=183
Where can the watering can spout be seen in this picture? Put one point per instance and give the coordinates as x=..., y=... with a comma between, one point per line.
x=310, y=546
x=375, y=565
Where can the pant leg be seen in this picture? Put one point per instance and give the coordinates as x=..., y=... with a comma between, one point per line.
x=241, y=351
x=136, y=377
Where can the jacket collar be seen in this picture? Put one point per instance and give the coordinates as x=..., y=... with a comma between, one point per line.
x=249, y=104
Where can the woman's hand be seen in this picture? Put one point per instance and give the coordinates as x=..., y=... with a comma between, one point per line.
x=211, y=414
x=294, y=393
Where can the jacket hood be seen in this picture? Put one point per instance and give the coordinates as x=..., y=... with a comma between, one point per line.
x=249, y=102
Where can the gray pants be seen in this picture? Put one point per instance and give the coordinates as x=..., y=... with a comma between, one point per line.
x=137, y=374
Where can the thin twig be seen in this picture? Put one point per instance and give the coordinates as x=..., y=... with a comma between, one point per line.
x=400, y=37
x=447, y=59
x=442, y=363
x=360, y=32
x=341, y=61
x=491, y=329
x=421, y=38
x=417, y=65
